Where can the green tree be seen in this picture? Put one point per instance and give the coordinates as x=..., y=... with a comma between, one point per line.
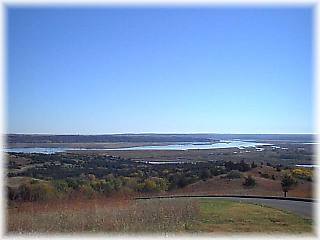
x=287, y=183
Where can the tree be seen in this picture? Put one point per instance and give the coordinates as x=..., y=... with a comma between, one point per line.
x=205, y=174
x=253, y=165
x=287, y=183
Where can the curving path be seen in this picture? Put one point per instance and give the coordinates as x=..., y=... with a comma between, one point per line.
x=304, y=208
x=301, y=208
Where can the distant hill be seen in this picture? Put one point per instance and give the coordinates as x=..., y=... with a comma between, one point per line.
x=40, y=138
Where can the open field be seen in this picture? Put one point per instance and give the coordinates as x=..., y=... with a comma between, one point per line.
x=165, y=215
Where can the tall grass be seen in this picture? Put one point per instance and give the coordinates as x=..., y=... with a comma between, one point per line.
x=103, y=215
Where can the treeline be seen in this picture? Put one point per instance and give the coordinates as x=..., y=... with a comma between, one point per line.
x=35, y=138
x=62, y=166
x=88, y=187
x=39, y=138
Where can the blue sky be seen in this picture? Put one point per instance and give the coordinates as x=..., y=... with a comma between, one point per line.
x=160, y=70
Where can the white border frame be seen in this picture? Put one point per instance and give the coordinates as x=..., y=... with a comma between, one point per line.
x=156, y=3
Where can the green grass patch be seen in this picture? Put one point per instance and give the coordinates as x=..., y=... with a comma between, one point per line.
x=231, y=216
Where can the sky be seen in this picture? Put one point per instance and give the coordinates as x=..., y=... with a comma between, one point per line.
x=159, y=70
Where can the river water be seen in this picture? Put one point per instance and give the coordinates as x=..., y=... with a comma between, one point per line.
x=176, y=146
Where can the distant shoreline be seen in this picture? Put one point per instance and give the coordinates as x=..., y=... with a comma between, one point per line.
x=137, y=139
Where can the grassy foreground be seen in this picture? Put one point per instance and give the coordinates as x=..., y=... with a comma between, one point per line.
x=158, y=215
x=229, y=216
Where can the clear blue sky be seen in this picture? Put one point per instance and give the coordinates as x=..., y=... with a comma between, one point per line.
x=161, y=70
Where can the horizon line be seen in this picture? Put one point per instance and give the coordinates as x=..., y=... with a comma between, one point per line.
x=153, y=133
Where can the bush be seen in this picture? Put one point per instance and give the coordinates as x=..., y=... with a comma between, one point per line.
x=12, y=194
x=131, y=183
x=233, y=174
x=87, y=191
x=42, y=192
x=161, y=184
x=61, y=186
x=265, y=175
x=149, y=186
x=304, y=174
x=205, y=174
x=107, y=187
x=249, y=181
x=154, y=185
x=35, y=192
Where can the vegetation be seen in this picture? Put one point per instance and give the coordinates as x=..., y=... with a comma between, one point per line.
x=67, y=175
x=287, y=183
x=158, y=215
x=249, y=181
x=93, y=191
x=228, y=216
x=233, y=174
x=301, y=173
x=108, y=215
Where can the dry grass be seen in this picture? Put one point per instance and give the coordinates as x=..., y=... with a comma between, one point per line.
x=156, y=215
x=103, y=215
x=264, y=186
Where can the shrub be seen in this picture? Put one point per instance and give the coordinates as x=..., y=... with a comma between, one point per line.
x=107, y=187
x=249, y=181
x=162, y=184
x=91, y=177
x=87, y=191
x=12, y=193
x=233, y=174
x=205, y=174
x=117, y=183
x=305, y=174
x=42, y=192
x=150, y=186
x=131, y=183
x=61, y=186
x=265, y=175
x=35, y=192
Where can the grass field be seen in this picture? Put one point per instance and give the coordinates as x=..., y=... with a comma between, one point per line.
x=228, y=216
x=161, y=215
